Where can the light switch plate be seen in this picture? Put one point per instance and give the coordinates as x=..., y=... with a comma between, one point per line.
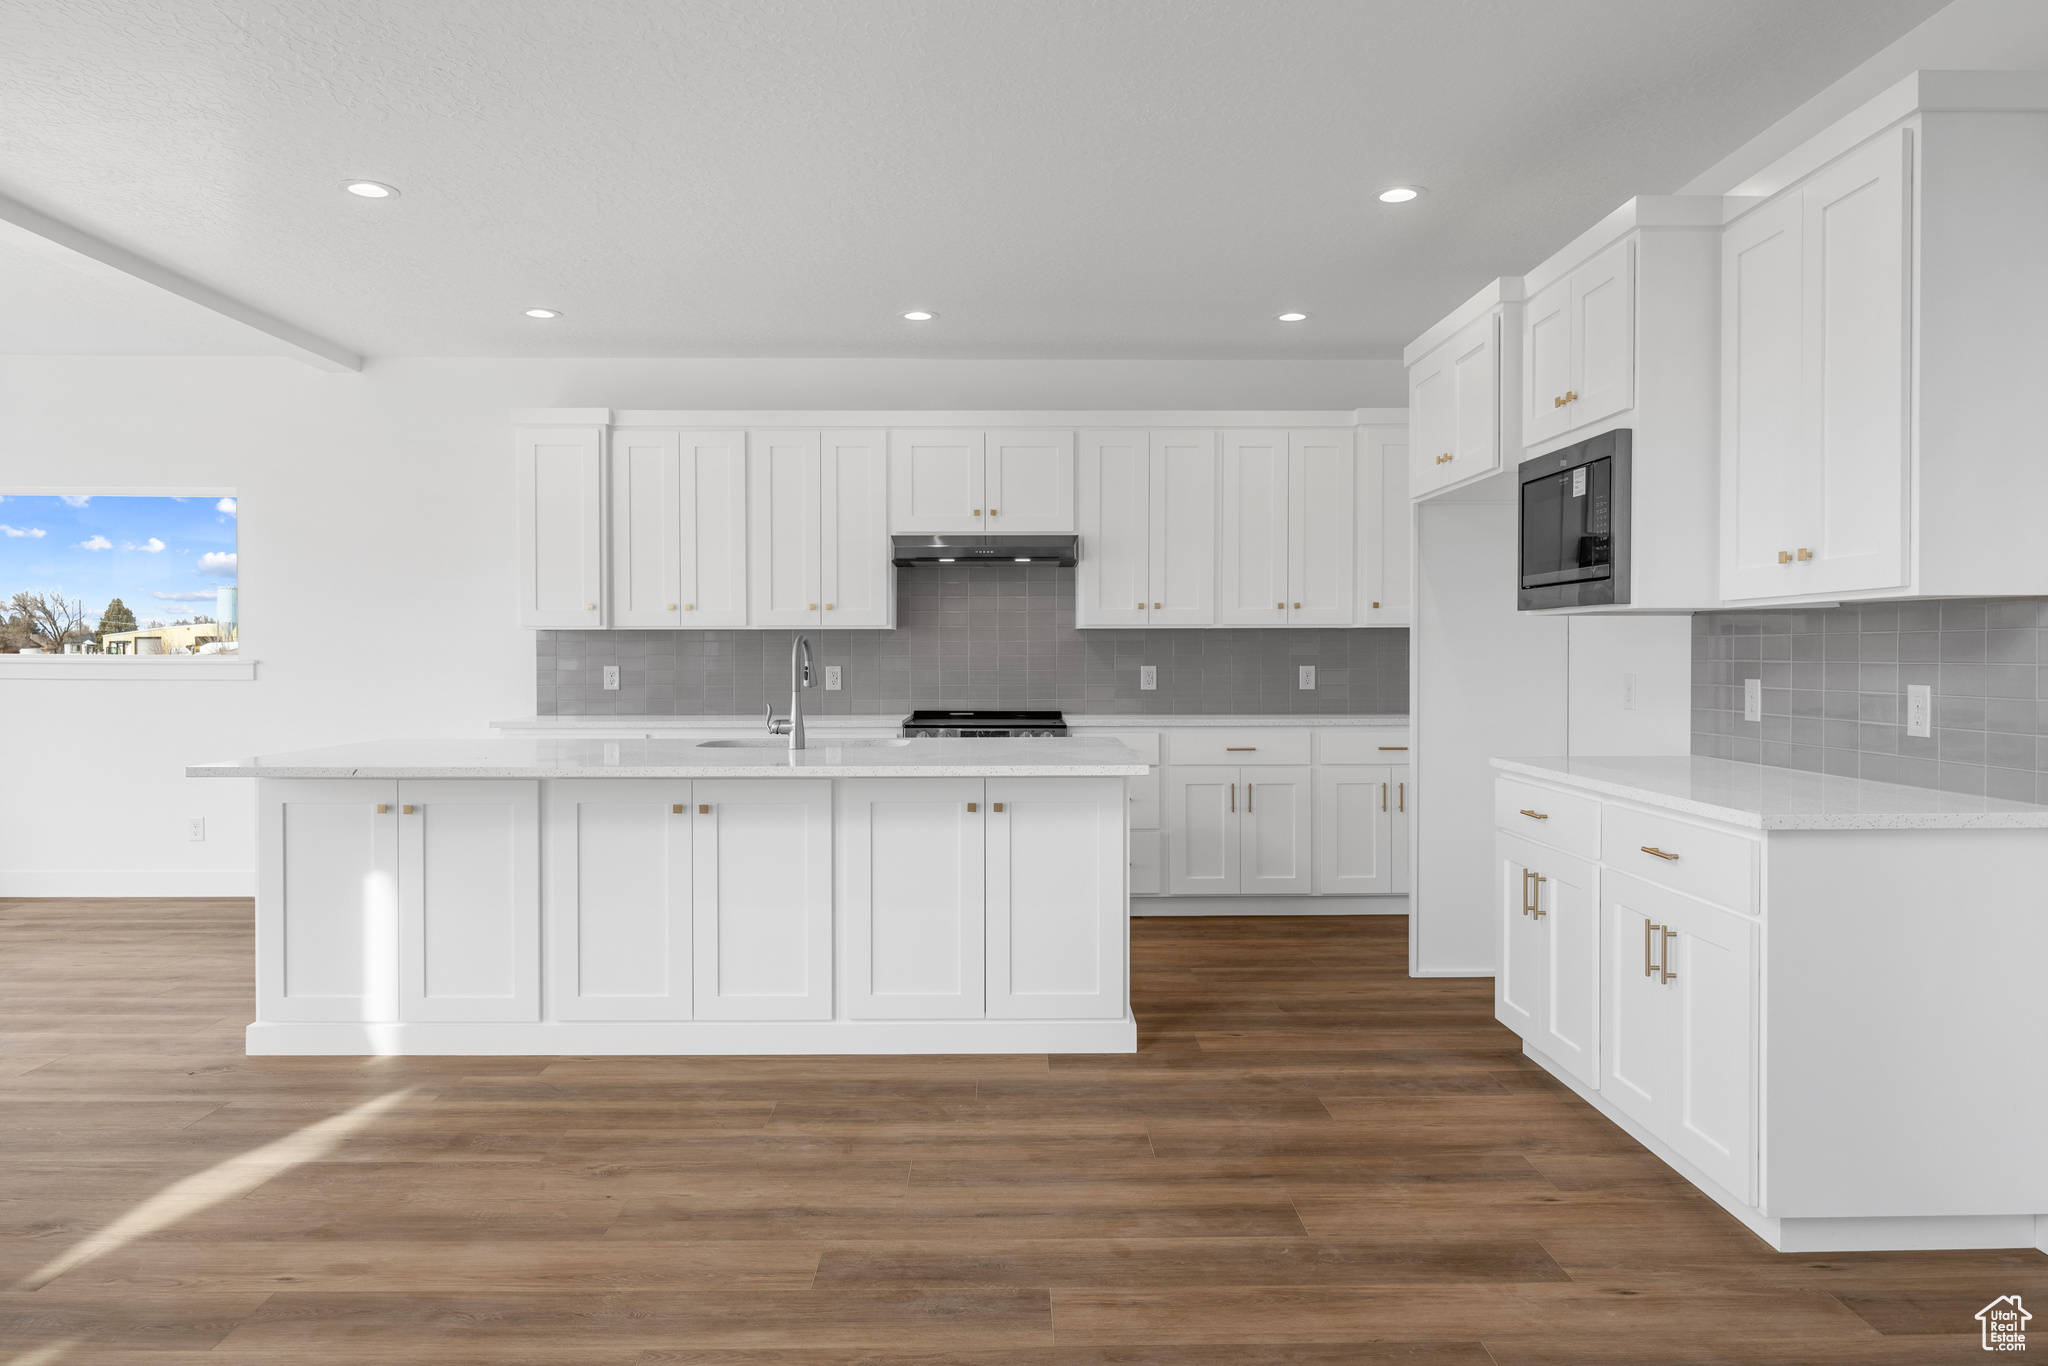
x=1920, y=710
x=1752, y=699
x=1308, y=678
x=1148, y=677
x=611, y=678
x=832, y=677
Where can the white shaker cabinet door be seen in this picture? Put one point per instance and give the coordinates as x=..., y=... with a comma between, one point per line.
x=935, y=483
x=1519, y=979
x=1854, y=384
x=469, y=900
x=1761, y=419
x=858, y=585
x=711, y=585
x=762, y=864
x=1383, y=528
x=1354, y=849
x=1115, y=583
x=1603, y=295
x=1202, y=830
x=1547, y=362
x=1058, y=898
x=1432, y=423
x=327, y=899
x=785, y=541
x=1475, y=400
x=618, y=898
x=1253, y=576
x=1277, y=832
x=1182, y=492
x=1028, y=479
x=561, y=497
x=1566, y=905
x=911, y=879
x=1322, y=528
x=647, y=535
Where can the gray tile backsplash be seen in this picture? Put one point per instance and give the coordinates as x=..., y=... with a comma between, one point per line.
x=1834, y=691
x=978, y=636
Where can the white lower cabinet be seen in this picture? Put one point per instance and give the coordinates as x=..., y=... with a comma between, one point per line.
x=762, y=871
x=327, y=902
x=1678, y=1001
x=1354, y=839
x=1057, y=898
x=911, y=878
x=1239, y=830
x=469, y=900
x=618, y=898
x=1547, y=987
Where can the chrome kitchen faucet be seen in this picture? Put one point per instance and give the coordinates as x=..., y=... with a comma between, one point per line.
x=800, y=678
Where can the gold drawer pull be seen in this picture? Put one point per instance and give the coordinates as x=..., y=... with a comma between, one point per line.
x=704, y=809
x=382, y=809
x=1402, y=790
x=689, y=607
x=1383, y=796
x=1571, y=396
x=1654, y=852
x=995, y=806
x=405, y=810
x=1557, y=403
x=1159, y=604
x=1534, y=815
x=1804, y=553
x=991, y=512
x=1240, y=749
x=1402, y=747
x=1784, y=557
x=671, y=607
x=676, y=809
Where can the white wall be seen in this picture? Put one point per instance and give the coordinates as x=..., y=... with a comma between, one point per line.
x=388, y=494
x=1658, y=651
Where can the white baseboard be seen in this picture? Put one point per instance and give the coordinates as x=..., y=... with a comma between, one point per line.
x=127, y=882
x=1269, y=905
x=688, y=1037
x=1875, y=1233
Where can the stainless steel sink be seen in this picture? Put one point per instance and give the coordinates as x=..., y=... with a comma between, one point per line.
x=778, y=742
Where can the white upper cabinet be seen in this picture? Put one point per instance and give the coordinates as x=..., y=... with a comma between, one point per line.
x=1463, y=418
x=1253, y=581
x=561, y=526
x=1289, y=529
x=1814, y=421
x=1148, y=529
x=678, y=529
x=1578, y=346
x=819, y=551
x=973, y=483
x=1383, y=522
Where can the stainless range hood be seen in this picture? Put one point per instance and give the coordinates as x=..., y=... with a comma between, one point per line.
x=914, y=552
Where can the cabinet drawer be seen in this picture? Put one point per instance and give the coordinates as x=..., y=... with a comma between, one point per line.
x=1713, y=865
x=1240, y=746
x=1363, y=745
x=1549, y=817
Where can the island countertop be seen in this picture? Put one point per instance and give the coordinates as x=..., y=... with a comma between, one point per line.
x=894, y=720
x=1765, y=797
x=668, y=758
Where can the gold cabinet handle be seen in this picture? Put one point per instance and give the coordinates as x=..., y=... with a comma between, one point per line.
x=671, y=607
x=1654, y=852
x=1536, y=895
x=1444, y=458
x=977, y=512
x=704, y=809
x=991, y=512
x=1158, y=604
x=995, y=806
x=972, y=806
x=676, y=809
x=1240, y=749
x=828, y=606
x=811, y=606
x=1804, y=553
x=1571, y=396
x=1665, y=975
x=1400, y=747
x=1649, y=932
x=1297, y=607
x=1784, y=557
x=405, y=810
x=1403, y=789
x=1557, y=403
x=1383, y=796
x=1534, y=815
x=1279, y=606
x=1141, y=605
x=1250, y=790
x=1233, y=796
x=689, y=607
x=382, y=809
x=590, y=607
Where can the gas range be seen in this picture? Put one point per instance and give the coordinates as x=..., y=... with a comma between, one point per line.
x=1000, y=724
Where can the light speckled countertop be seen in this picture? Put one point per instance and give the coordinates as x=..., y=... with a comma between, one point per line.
x=1763, y=797
x=663, y=758
x=894, y=721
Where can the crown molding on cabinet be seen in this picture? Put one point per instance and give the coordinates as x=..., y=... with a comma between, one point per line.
x=1506, y=290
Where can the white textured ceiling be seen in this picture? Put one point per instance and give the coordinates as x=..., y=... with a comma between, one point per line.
x=1078, y=178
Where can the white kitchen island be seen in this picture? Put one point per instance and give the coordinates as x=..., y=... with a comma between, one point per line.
x=548, y=896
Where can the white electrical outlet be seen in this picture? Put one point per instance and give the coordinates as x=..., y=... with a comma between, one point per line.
x=1308, y=678
x=1628, y=692
x=1752, y=699
x=1920, y=710
x=832, y=677
x=195, y=829
x=1148, y=677
x=611, y=678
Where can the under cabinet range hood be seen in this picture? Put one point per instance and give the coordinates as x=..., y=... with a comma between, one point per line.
x=914, y=552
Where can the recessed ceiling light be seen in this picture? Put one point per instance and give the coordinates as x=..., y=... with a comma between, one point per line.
x=1400, y=194
x=370, y=189
x=918, y=316
x=1293, y=317
x=1023, y=559
x=542, y=313
x=948, y=562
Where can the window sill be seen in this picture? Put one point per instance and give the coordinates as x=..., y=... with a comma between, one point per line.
x=192, y=668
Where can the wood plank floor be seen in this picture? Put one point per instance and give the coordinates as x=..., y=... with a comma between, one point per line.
x=1313, y=1159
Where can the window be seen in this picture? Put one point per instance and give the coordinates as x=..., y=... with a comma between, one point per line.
x=118, y=574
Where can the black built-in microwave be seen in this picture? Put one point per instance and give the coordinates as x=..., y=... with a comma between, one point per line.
x=1574, y=525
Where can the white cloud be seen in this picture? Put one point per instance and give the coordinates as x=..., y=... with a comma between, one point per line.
x=226, y=505
x=6, y=530
x=186, y=597
x=148, y=547
x=220, y=565
x=95, y=543
x=74, y=500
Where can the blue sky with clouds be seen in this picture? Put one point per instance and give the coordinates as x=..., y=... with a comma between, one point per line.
x=164, y=557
